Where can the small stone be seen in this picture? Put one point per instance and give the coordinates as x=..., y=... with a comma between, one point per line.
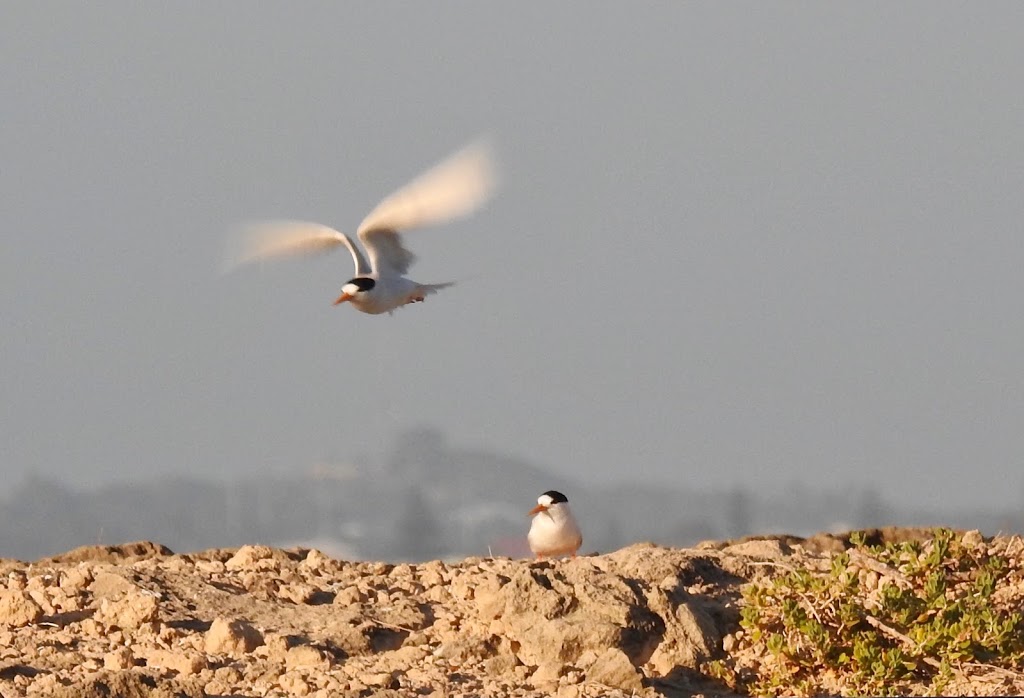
x=587, y=659
x=972, y=538
x=210, y=567
x=614, y=669
x=382, y=679
x=233, y=637
x=248, y=555
x=547, y=674
x=40, y=596
x=169, y=635
x=499, y=665
x=45, y=684
x=91, y=627
x=417, y=638
x=65, y=600
x=437, y=594
x=216, y=687
x=129, y=612
x=108, y=584
x=379, y=569
x=463, y=649
x=228, y=674
x=294, y=684
x=297, y=593
x=119, y=660
x=274, y=648
x=305, y=656
x=315, y=561
x=17, y=609
x=176, y=563
x=409, y=654
x=572, y=677
x=185, y=663
x=349, y=596
x=402, y=571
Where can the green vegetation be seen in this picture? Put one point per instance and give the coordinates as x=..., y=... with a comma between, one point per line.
x=903, y=618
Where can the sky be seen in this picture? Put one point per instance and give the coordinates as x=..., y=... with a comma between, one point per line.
x=734, y=244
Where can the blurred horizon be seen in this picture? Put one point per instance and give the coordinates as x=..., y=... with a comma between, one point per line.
x=429, y=498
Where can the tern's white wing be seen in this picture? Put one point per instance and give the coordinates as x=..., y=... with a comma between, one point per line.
x=452, y=189
x=271, y=239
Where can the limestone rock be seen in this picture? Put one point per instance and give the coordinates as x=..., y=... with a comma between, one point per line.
x=298, y=593
x=17, y=609
x=305, y=656
x=614, y=669
x=294, y=684
x=234, y=637
x=556, y=614
x=120, y=659
x=379, y=679
x=110, y=585
x=249, y=555
x=500, y=665
x=76, y=579
x=547, y=675
x=690, y=634
x=129, y=612
x=184, y=662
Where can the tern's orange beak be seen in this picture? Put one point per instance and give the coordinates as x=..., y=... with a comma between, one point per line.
x=537, y=509
x=343, y=297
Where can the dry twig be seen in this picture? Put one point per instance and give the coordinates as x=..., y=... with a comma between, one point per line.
x=903, y=639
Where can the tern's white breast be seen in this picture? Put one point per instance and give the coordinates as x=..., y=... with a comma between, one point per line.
x=389, y=293
x=554, y=532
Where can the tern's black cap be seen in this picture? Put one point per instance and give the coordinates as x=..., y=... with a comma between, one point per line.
x=556, y=496
x=363, y=283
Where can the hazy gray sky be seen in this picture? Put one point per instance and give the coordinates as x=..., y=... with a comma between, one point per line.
x=735, y=243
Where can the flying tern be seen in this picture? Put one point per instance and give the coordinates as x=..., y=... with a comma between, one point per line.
x=452, y=189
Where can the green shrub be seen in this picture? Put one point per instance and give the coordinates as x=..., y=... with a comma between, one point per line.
x=880, y=620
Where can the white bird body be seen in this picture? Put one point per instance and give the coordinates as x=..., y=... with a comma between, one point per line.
x=452, y=189
x=554, y=530
x=390, y=292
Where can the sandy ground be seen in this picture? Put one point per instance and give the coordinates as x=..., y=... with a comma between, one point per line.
x=138, y=620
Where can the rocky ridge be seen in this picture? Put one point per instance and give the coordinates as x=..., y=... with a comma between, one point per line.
x=138, y=620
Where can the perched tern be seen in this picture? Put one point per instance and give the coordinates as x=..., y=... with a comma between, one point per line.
x=554, y=530
x=452, y=189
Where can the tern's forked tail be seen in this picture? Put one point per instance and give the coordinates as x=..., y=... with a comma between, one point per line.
x=434, y=288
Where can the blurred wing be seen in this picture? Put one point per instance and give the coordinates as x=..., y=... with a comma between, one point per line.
x=272, y=239
x=386, y=251
x=452, y=189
